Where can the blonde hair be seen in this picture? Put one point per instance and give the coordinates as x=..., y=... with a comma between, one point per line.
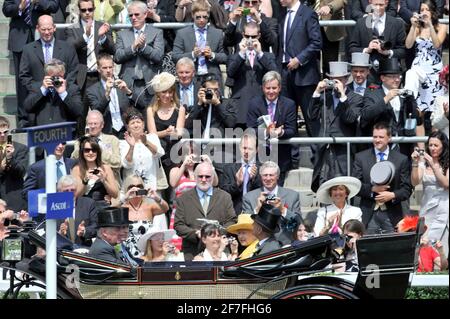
x=155, y=105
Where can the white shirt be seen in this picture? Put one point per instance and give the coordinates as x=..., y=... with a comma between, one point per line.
x=386, y=154
x=379, y=23
x=144, y=162
x=350, y=212
x=395, y=103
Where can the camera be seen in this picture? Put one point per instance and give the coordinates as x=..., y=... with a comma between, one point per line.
x=270, y=197
x=433, y=242
x=385, y=45
x=56, y=81
x=421, y=19
x=420, y=151
x=9, y=139
x=171, y=249
x=141, y=192
x=329, y=85
x=209, y=94
x=95, y=171
x=245, y=11
x=249, y=44
x=403, y=93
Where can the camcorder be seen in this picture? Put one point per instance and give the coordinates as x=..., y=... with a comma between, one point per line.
x=56, y=81
x=209, y=94
x=329, y=85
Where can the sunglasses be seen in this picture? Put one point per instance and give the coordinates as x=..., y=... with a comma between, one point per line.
x=87, y=10
x=140, y=186
x=250, y=36
x=252, y=2
x=201, y=17
x=204, y=176
x=88, y=150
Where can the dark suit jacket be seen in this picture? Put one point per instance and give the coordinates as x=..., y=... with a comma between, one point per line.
x=19, y=32
x=247, y=80
x=32, y=63
x=96, y=98
x=359, y=8
x=47, y=111
x=268, y=246
x=227, y=182
x=408, y=7
x=268, y=29
x=401, y=184
x=184, y=45
x=147, y=60
x=285, y=114
x=36, y=175
x=304, y=41
x=11, y=179
x=196, y=88
x=102, y=250
x=189, y=209
x=74, y=35
x=394, y=31
x=166, y=11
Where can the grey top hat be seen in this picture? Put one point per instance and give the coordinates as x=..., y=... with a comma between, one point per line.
x=338, y=69
x=382, y=173
x=360, y=59
x=113, y=217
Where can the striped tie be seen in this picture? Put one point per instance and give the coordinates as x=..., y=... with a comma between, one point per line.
x=27, y=13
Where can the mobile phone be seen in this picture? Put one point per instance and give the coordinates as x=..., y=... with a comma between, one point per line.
x=9, y=139
x=95, y=171
x=246, y=11
x=141, y=192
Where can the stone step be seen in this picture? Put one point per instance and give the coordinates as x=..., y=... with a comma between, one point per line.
x=299, y=178
x=12, y=120
x=4, y=30
x=6, y=66
x=7, y=84
x=8, y=103
x=3, y=45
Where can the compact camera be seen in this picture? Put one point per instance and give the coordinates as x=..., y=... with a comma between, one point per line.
x=249, y=44
x=420, y=151
x=95, y=171
x=403, y=93
x=141, y=192
x=209, y=94
x=329, y=85
x=270, y=197
x=245, y=11
x=56, y=81
x=421, y=19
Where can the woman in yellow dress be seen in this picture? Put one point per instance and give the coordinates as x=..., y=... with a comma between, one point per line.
x=243, y=230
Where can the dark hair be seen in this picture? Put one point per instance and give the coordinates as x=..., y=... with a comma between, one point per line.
x=308, y=229
x=354, y=226
x=210, y=229
x=91, y=1
x=95, y=146
x=210, y=77
x=347, y=191
x=383, y=126
x=132, y=114
x=443, y=158
x=104, y=56
x=433, y=10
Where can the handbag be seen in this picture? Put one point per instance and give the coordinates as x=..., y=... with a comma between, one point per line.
x=161, y=179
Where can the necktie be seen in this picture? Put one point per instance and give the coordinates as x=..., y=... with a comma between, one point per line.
x=288, y=29
x=271, y=110
x=381, y=156
x=251, y=57
x=47, y=56
x=185, y=97
x=138, y=75
x=376, y=28
x=335, y=101
x=114, y=109
x=52, y=92
x=27, y=13
x=246, y=178
x=91, y=59
x=360, y=90
x=205, y=203
x=202, y=68
x=59, y=172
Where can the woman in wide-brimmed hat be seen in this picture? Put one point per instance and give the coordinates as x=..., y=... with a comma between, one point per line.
x=335, y=193
x=244, y=231
x=155, y=246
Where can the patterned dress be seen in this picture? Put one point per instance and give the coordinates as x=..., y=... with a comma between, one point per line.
x=137, y=229
x=429, y=59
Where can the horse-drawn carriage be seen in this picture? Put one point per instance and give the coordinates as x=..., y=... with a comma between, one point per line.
x=385, y=264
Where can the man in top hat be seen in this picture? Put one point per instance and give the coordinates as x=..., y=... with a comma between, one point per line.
x=113, y=225
x=264, y=228
x=391, y=105
x=381, y=204
x=337, y=108
x=360, y=70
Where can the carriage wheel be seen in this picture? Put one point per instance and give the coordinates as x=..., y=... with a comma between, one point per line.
x=315, y=292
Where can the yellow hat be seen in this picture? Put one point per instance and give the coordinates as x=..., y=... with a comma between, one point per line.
x=162, y=82
x=244, y=222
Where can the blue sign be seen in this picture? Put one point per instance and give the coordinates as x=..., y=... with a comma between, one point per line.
x=33, y=202
x=60, y=205
x=50, y=135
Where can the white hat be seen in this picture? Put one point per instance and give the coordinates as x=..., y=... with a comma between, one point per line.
x=162, y=82
x=353, y=184
x=338, y=69
x=360, y=59
x=142, y=243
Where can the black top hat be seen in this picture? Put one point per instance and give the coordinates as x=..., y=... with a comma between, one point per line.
x=268, y=217
x=113, y=216
x=390, y=66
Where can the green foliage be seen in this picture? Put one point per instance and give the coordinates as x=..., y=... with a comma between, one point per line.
x=427, y=293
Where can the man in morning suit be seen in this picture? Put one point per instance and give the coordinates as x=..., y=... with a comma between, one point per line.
x=187, y=86
x=360, y=69
x=266, y=224
x=381, y=204
x=361, y=8
x=247, y=67
x=282, y=115
x=202, y=43
x=24, y=15
x=284, y=199
x=299, y=48
x=56, y=100
x=140, y=51
x=201, y=202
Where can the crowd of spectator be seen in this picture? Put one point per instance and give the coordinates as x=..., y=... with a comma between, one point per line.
x=136, y=92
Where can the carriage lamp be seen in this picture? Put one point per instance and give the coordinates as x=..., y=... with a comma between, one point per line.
x=12, y=246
